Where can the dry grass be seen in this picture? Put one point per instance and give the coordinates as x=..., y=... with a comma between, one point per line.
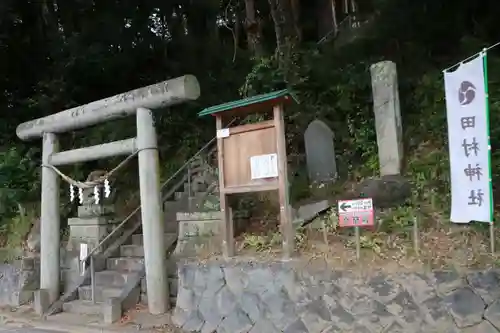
x=458, y=247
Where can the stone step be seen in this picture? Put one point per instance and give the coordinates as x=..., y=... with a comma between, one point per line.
x=171, y=208
x=114, y=278
x=179, y=195
x=136, y=264
x=137, y=239
x=132, y=250
x=132, y=264
x=170, y=239
x=170, y=205
x=172, y=227
x=82, y=307
x=101, y=293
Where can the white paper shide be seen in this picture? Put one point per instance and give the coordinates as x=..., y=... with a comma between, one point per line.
x=466, y=108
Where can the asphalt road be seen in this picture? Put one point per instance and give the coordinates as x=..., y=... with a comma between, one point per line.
x=26, y=330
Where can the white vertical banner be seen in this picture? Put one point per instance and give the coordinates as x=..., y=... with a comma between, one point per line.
x=468, y=134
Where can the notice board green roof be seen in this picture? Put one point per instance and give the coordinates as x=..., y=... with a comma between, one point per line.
x=280, y=96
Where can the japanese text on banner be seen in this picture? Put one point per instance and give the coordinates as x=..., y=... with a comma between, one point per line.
x=467, y=115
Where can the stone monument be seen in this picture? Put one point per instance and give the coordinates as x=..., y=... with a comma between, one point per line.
x=391, y=189
x=93, y=223
x=320, y=152
x=387, y=117
x=94, y=220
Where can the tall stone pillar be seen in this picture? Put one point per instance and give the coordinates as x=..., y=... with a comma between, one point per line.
x=387, y=117
x=50, y=222
x=153, y=228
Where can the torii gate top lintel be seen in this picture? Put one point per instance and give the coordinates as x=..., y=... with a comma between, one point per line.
x=163, y=94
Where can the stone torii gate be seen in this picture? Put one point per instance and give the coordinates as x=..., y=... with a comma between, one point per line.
x=140, y=102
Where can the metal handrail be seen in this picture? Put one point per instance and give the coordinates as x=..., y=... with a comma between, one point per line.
x=92, y=252
x=119, y=226
x=188, y=162
x=132, y=214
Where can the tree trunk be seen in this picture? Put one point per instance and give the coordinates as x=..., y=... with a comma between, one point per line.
x=253, y=29
x=295, y=11
x=49, y=22
x=236, y=34
x=278, y=24
x=327, y=14
x=286, y=34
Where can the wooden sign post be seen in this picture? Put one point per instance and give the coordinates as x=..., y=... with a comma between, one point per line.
x=252, y=158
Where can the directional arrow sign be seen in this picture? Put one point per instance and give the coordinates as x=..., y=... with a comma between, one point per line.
x=343, y=206
x=356, y=213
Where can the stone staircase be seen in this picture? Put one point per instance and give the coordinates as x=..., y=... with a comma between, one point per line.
x=121, y=276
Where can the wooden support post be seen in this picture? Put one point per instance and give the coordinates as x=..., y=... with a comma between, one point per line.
x=357, y=235
x=416, y=234
x=227, y=219
x=492, y=238
x=285, y=219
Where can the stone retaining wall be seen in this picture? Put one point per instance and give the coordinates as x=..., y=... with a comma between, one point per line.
x=18, y=281
x=236, y=296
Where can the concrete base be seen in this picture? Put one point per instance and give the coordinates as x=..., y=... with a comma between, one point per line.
x=22, y=297
x=89, y=221
x=88, y=211
x=198, y=232
x=200, y=228
x=41, y=301
x=112, y=310
x=87, y=230
x=198, y=224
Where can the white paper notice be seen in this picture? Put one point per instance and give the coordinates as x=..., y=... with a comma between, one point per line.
x=467, y=115
x=264, y=166
x=84, y=251
x=223, y=133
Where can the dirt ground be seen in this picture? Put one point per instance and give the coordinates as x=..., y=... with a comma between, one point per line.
x=459, y=247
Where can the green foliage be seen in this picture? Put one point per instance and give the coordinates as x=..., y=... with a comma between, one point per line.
x=271, y=240
x=367, y=242
x=333, y=84
x=19, y=184
x=19, y=179
x=59, y=54
x=398, y=219
x=338, y=94
x=261, y=243
x=19, y=226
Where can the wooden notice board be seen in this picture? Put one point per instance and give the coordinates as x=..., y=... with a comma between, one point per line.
x=246, y=149
x=252, y=158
